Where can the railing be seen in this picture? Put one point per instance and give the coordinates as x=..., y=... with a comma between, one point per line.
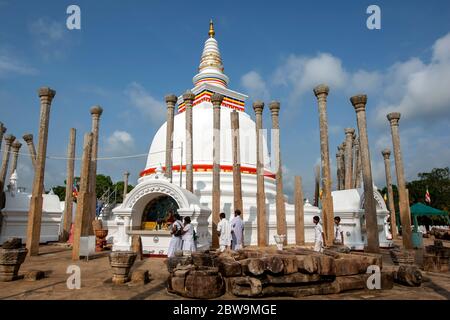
x=108, y=201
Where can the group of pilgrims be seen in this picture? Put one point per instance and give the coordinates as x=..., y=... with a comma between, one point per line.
x=231, y=234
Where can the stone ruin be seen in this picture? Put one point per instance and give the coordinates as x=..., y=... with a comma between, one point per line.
x=436, y=257
x=256, y=273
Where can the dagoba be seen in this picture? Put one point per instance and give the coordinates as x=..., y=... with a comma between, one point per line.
x=146, y=209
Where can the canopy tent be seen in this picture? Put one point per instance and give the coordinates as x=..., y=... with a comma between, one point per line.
x=420, y=209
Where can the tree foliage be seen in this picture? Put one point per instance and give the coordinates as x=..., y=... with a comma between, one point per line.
x=438, y=183
x=103, y=184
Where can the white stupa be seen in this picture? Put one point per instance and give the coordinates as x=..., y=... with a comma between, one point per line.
x=155, y=194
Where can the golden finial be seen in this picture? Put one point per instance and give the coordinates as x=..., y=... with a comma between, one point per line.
x=211, y=32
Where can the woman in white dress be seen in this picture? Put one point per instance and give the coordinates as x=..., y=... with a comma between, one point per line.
x=188, y=236
x=176, y=241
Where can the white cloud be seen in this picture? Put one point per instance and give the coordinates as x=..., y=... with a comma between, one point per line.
x=304, y=73
x=46, y=31
x=365, y=82
x=10, y=65
x=119, y=143
x=255, y=85
x=50, y=38
x=150, y=107
x=420, y=90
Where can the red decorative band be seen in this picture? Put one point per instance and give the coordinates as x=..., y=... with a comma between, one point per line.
x=209, y=168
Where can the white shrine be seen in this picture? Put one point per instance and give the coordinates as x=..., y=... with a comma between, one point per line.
x=154, y=194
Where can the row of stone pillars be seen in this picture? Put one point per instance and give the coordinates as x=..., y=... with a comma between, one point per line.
x=353, y=160
x=349, y=170
x=345, y=168
x=348, y=162
x=258, y=106
x=87, y=200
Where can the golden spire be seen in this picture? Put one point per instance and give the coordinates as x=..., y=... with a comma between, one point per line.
x=211, y=32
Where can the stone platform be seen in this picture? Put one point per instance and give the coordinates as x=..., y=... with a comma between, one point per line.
x=96, y=281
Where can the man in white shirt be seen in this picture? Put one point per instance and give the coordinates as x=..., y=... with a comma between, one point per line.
x=338, y=233
x=319, y=236
x=224, y=230
x=237, y=231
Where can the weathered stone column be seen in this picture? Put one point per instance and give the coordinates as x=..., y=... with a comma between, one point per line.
x=316, y=185
x=348, y=157
x=321, y=92
x=299, y=213
x=28, y=137
x=387, y=167
x=216, y=100
x=237, y=184
x=357, y=166
x=171, y=100
x=9, y=140
x=338, y=169
x=68, y=203
x=96, y=112
x=46, y=96
x=2, y=132
x=82, y=217
x=126, y=174
x=274, y=107
x=189, y=98
x=15, y=151
x=261, y=218
x=359, y=103
x=405, y=218
x=342, y=150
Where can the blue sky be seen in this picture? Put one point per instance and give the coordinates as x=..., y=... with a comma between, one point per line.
x=128, y=55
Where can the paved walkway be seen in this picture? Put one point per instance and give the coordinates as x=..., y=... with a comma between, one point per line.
x=96, y=281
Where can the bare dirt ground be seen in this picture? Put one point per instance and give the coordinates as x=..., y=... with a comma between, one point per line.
x=96, y=281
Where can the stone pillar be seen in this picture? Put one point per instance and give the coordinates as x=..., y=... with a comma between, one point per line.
x=387, y=167
x=189, y=98
x=82, y=217
x=126, y=174
x=68, y=203
x=2, y=132
x=359, y=103
x=316, y=185
x=28, y=137
x=348, y=157
x=338, y=170
x=9, y=140
x=321, y=92
x=237, y=184
x=299, y=213
x=46, y=96
x=342, y=150
x=15, y=151
x=357, y=166
x=405, y=218
x=274, y=107
x=96, y=112
x=216, y=100
x=258, y=107
x=171, y=100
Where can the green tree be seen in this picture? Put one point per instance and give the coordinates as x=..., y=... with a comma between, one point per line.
x=60, y=191
x=438, y=183
x=119, y=187
x=103, y=183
